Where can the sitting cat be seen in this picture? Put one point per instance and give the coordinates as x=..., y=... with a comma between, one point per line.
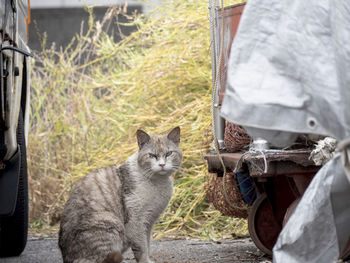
x=115, y=207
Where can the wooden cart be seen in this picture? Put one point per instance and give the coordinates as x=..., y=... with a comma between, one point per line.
x=279, y=177
x=279, y=187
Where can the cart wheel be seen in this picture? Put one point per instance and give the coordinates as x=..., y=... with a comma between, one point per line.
x=290, y=211
x=262, y=225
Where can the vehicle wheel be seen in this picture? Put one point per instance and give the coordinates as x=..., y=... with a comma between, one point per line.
x=262, y=225
x=14, y=229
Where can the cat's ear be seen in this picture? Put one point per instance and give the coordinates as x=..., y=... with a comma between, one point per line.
x=174, y=135
x=142, y=138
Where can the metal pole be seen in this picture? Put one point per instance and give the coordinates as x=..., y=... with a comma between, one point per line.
x=215, y=38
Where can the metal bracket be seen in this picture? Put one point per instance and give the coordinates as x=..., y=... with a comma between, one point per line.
x=23, y=52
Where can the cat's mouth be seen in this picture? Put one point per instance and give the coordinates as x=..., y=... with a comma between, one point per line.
x=163, y=171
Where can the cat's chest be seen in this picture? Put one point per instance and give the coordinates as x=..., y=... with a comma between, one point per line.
x=159, y=192
x=151, y=196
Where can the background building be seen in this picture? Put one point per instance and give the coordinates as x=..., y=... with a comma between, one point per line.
x=62, y=19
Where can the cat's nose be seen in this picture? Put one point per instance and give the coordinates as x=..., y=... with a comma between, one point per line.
x=162, y=165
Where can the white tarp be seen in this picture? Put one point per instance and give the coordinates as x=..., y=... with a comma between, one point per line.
x=310, y=236
x=290, y=63
x=288, y=74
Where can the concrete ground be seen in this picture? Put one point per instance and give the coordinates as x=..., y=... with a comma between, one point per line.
x=44, y=250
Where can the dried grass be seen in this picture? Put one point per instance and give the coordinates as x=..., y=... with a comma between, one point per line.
x=89, y=100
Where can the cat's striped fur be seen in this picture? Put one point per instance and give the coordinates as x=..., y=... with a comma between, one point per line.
x=115, y=207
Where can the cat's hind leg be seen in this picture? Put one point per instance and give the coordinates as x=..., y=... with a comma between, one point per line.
x=96, y=245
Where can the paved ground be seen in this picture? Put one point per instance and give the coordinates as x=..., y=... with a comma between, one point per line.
x=164, y=251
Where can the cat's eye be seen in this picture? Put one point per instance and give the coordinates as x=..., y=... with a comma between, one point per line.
x=153, y=156
x=168, y=154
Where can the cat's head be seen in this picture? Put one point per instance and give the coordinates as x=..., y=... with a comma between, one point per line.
x=159, y=154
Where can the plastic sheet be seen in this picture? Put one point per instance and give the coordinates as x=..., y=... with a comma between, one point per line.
x=311, y=234
x=288, y=70
x=287, y=75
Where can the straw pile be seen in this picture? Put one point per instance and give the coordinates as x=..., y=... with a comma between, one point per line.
x=89, y=100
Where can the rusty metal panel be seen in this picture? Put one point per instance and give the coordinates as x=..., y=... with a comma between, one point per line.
x=223, y=27
x=228, y=17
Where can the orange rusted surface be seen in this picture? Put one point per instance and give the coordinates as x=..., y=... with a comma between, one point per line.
x=231, y=16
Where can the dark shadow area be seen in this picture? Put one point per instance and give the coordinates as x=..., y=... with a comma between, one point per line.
x=62, y=24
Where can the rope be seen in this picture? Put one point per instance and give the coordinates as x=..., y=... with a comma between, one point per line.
x=252, y=152
x=214, y=90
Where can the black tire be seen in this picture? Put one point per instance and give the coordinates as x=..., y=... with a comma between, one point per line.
x=14, y=229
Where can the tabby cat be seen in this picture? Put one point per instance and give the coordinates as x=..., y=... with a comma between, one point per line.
x=115, y=207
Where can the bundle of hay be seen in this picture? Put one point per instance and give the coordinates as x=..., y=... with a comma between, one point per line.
x=89, y=100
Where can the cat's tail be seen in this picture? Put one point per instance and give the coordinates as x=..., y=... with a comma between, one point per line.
x=113, y=257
